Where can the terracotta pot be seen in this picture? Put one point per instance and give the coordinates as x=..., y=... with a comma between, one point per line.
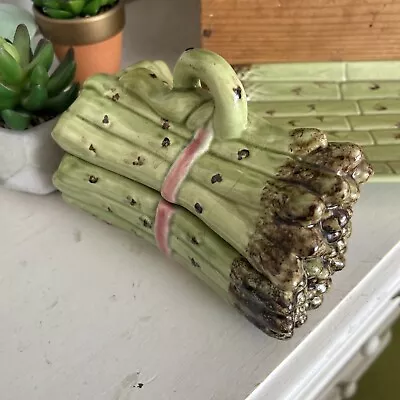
x=29, y=158
x=97, y=41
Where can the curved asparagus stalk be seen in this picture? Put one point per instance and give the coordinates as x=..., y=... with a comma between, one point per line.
x=133, y=207
x=276, y=197
x=230, y=115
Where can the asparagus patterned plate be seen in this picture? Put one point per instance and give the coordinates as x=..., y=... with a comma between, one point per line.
x=357, y=102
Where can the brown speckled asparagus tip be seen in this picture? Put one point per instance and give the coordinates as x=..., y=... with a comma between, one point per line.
x=274, y=311
x=301, y=235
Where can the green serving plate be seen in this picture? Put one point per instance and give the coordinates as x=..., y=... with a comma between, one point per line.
x=352, y=101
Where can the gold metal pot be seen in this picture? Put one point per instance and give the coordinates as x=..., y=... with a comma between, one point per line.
x=97, y=41
x=82, y=31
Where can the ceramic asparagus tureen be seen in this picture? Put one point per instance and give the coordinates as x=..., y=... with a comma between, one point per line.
x=260, y=213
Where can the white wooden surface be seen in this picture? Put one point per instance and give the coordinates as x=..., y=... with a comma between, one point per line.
x=90, y=312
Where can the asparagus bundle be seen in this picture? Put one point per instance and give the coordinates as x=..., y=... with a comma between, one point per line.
x=136, y=208
x=282, y=200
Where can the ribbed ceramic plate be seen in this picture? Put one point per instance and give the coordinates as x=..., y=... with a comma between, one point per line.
x=351, y=101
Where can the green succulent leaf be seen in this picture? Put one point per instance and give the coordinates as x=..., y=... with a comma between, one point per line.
x=63, y=75
x=22, y=43
x=44, y=55
x=6, y=104
x=58, y=14
x=10, y=71
x=107, y=2
x=35, y=99
x=55, y=4
x=92, y=8
x=26, y=87
x=9, y=96
x=16, y=120
x=42, y=42
x=10, y=49
x=58, y=104
x=7, y=91
x=76, y=6
x=66, y=9
x=39, y=76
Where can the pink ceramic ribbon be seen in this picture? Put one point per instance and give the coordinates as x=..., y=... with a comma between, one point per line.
x=164, y=214
x=181, y=167
x=176, y=175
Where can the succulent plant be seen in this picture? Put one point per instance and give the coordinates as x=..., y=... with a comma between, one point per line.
x=66, y=9
x=26, y=88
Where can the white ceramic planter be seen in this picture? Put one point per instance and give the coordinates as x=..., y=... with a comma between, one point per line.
x=29, y=158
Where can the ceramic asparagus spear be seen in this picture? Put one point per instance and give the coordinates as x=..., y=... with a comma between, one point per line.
x=282, y=200
x=136, y=208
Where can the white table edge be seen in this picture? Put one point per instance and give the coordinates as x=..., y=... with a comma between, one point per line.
x=353, y=320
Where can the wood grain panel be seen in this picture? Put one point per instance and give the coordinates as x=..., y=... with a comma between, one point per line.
x=257, y=31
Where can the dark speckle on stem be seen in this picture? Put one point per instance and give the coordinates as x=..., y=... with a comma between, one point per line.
x=93, y=179
x=106, y=120
x=380, y=107
x=140, y=385
x=139, y=161
x=132, y=202
x=153, y=75
x=166, y=142
x=146, y=223
x=109, y=209
x=297, y=91
x=194, y=263
x=194, y=240
x=216, y=178
x=91, y=148
x=238, y=92
x=165, y=124
x=198, y=208
x=374, y=86
x=244, y=153
x=115, y=97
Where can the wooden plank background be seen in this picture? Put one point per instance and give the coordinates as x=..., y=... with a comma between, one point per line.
x=257, y=31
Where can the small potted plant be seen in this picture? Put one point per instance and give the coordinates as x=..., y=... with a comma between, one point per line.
x=92, y=27
x=30, y=101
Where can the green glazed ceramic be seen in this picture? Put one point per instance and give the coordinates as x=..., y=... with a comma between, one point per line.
x=352, y=101
x=158, y=151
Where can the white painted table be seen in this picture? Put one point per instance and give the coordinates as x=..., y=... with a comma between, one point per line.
x=90, y=312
